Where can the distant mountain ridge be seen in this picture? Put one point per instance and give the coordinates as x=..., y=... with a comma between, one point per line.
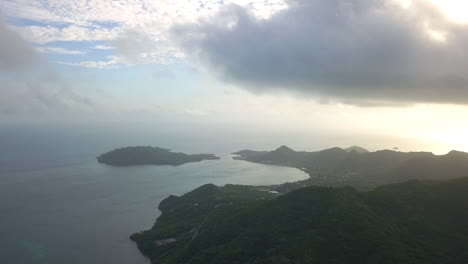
x=357, y=149
x=146, y=155
x=362, y=169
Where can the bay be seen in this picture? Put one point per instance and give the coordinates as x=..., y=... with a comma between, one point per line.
x=58, y=205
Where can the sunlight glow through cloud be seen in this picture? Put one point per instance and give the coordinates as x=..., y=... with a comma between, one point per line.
x=114, y=51
x=454, y=138
x=455, y=10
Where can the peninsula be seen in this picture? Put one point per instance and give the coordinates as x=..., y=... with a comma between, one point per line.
x=413, y=222
x=357, y=167
x=145, y=155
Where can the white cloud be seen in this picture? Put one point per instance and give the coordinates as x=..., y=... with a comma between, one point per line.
x=106, y=20
x=102, y=19
x=139, y=48
x=47, y=34
x=112, y=62
x=102, y=47
x=128, y=12
x=58, y=50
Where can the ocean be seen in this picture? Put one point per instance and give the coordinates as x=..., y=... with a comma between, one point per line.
x=58, y=205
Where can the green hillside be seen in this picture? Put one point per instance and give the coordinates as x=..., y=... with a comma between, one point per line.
x=413, y=222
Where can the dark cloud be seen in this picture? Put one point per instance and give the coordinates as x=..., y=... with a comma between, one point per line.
x=26, y=85
x=14, y=52
x=33, y=93
x=363, y=52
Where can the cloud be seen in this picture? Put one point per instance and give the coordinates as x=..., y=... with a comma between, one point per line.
x=59, y=50
x=117, y=21
x=130, y=13
x=138, y=47
x=365, y=52
x=47, y=34
x=24, y=86
x=112, y=62
x=102, y=47
x=195, y=112
x=39, y=92
x=14, y=52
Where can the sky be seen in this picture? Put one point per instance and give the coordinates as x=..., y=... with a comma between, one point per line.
x=394, y=71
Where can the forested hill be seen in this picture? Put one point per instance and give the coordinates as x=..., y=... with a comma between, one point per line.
x=361, y=169
x=414, y=222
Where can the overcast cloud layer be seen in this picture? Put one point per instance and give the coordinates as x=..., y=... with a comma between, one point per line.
x=359, y=51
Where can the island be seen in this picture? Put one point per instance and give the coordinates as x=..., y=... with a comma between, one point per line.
x=362, y=169
x=415, y=222
x=146, y=155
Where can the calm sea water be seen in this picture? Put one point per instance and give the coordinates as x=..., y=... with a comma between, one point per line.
x=58, y=205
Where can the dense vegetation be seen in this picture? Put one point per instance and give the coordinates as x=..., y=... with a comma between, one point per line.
x=413, y=222
x=149, y=155
x=361, y=169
